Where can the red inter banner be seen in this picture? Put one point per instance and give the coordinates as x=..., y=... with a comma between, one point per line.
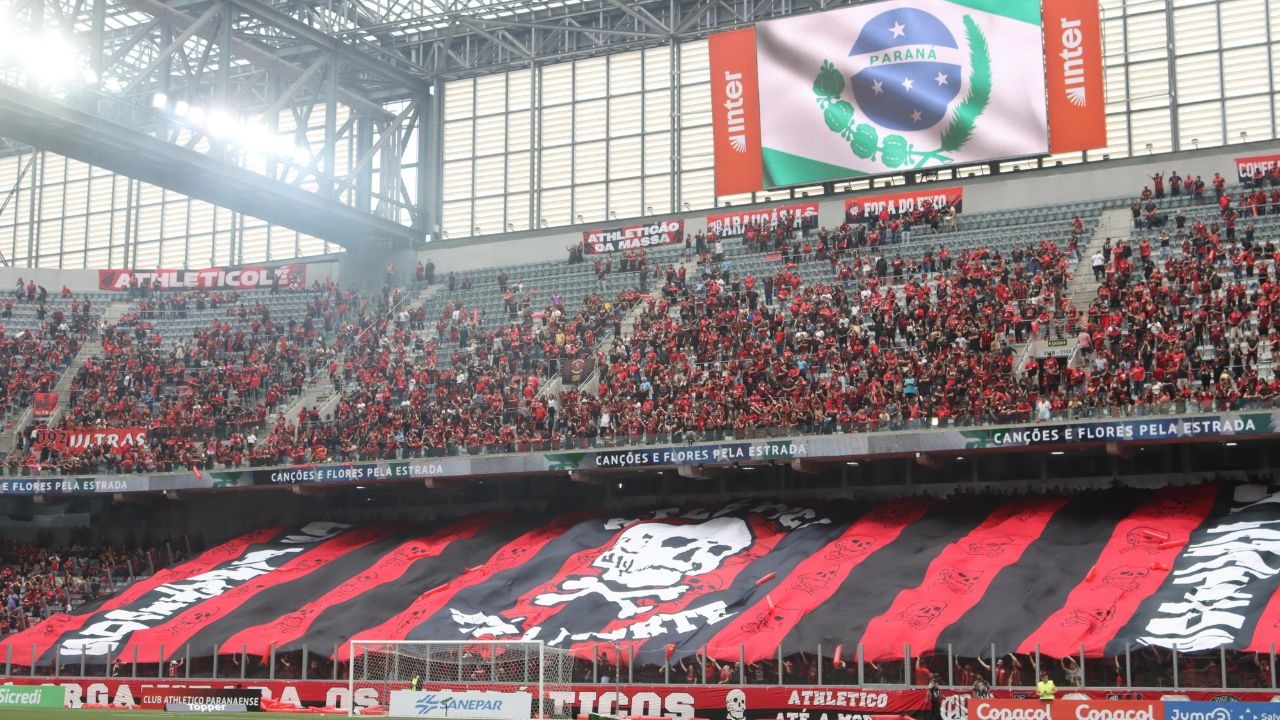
x=735, y=116
x=1073, y=75
x=45, y=404
x=736, y=224
x=1246, y=165
x=859, y=208
x=79, y=440
x=633, y=237
x=239, y=278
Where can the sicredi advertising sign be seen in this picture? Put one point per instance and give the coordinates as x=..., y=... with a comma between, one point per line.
x=41, y=696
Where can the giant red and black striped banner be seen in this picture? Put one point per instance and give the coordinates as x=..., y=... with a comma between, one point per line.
x=1191, y=568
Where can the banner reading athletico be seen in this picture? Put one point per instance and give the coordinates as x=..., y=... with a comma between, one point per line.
x=239, y=278
x=860, y=208
x=633, y=237
x=736, y=224
x=903, y=85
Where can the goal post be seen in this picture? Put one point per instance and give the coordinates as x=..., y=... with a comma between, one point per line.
x=470, y=680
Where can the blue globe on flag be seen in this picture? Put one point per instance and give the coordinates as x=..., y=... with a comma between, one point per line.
x=907, y=80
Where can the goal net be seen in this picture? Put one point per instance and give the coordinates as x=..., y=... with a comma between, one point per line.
x=479, y=680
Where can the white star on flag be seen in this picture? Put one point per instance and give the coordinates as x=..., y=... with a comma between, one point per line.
x=907, y=83
x=877, y=87
x=916, y=116
x=941, y=79
x=898, y=29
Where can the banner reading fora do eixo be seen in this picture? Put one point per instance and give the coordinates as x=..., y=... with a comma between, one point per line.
x=40, y=696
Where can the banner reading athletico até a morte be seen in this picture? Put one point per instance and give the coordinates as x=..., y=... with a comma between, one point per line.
x=222, y=278
x=858, y=209
x=633, y=237
x=1094, y=572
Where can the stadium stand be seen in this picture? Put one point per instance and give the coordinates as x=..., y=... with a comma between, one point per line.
x=808, y=331
x=800, y=577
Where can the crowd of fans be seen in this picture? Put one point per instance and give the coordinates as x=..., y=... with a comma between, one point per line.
x=846, y=329
x=200, y=397
x=39, y=579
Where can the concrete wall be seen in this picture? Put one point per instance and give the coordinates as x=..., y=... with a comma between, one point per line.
x=1009, y=190
x=53, y=279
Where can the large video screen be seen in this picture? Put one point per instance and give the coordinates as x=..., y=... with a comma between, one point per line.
x=889, y=87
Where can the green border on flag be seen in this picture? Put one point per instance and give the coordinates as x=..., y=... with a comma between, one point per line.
x=1027, y=11
x=783, y=168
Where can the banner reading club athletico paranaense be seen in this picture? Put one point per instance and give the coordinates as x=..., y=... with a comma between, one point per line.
x=237, y=278
x=902, y=85
x=735, y=224
x=633, y=237
x=859, y=209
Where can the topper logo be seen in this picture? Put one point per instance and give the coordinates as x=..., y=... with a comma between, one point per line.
x=1086, y=712
x=987, y=711
x=735, y=116
x=1073, y=62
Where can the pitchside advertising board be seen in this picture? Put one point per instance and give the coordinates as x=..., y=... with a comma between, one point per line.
x=30, y=696
x=1162, y=706
x=904, y=85
x=466, y=705
x=686, y=702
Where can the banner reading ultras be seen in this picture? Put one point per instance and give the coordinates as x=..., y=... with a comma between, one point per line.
x=859, y=208
x=240, y=278
x=895, y=86
x=633, y=237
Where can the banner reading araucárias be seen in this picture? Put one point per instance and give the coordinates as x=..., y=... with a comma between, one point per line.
x=633, y=237
x=238, y=278
x=736, y=224
x=900, y=85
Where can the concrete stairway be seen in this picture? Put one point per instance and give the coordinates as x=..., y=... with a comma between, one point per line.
x=89, y=349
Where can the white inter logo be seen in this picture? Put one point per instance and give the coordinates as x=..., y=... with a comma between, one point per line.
x=735, y=115
x=1073, y=62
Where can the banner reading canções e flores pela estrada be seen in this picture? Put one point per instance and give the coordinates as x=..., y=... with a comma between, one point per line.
x=1135, y=430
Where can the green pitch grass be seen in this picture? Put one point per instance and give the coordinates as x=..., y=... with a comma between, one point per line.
x=147, y=715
